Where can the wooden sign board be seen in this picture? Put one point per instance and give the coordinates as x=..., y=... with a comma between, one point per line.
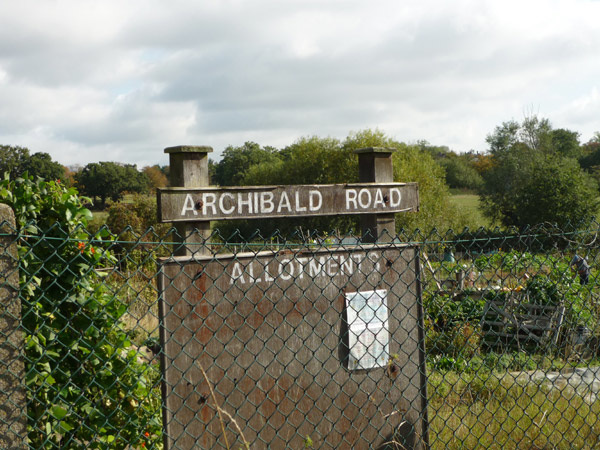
x=205, y=204
x=326, y=344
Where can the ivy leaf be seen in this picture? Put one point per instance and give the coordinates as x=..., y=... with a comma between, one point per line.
x=58, y=412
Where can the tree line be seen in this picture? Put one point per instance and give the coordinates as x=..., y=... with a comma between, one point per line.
x=530, y=173
x=99, y=181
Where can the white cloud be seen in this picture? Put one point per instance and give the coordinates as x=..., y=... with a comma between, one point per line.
x=88, y=81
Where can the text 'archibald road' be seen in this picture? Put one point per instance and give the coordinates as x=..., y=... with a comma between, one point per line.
x=185, y=204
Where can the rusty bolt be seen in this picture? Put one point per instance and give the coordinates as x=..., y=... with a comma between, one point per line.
x=392, y=371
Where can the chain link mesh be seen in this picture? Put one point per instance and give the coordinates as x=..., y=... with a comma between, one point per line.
x=483, y=339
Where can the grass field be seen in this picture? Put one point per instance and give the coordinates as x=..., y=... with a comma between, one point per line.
x=470, y=204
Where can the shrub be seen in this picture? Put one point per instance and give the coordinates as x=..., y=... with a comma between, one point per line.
x=85, y=386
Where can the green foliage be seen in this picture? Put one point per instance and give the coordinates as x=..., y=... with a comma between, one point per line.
x=514, y=260
x=309, y=160
x=556, y=191
x=110, y=180
x=535, y=177
x=590, y=159
x=590, y=155
x=566, y=143
x=135, y=223
x=445, y=311
x=461, y=169
x=435, y=210
x=453, y=323
x=460, y=174
x=137, y=214
x=13, y=160
x=236, y=161
x=541, y=290
x=17, y=160
x=85, y=386
x=41, y=165
x=315, y=160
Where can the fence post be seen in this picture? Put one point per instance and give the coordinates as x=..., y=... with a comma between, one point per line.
x=13, y=405
x=375, y=166
x=189, y=168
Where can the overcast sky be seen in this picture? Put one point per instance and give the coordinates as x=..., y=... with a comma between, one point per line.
x=116, y=80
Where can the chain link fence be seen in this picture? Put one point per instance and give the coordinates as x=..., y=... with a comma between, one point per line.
x=483, y=339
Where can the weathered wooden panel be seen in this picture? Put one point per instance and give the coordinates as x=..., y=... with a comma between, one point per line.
x=204, y=204
x=268, y=334
x=516, y=323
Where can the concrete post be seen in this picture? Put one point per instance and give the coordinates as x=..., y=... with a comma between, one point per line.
x=375, y=166
x=189, y=168
x=13, y=405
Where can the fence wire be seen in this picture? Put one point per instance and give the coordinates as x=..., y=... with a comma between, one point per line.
x=482, y=339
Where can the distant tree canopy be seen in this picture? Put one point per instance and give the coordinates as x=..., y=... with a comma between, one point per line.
x=315, y=160
x=461, y=172
x=110, y=180
x=590, y=157
x=17, y=160
x=156, y=176
x=237, y=160
x=535, y=177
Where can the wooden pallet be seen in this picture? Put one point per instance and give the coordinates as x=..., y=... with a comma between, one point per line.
x=516, y=323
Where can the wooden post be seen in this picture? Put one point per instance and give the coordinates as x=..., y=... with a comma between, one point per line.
x=13, y=413
x=189, y=168
x=375, y=166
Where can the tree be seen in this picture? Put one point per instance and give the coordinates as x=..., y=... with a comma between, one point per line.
x=156, y=177
x=13, y=160
x=436, y=210
x=522, y=156
x=534, y=133
x=309, y=160
x=236, y=161
x=106, y=180
x=556, y=190
x=17, y=160
x=415, y=163
x=460, y=174
x=566, y=143
x=315, y=160
x=41, y=165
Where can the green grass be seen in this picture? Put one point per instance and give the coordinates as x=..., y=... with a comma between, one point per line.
x=470, y=204
x=98, y=219
x=494, y=411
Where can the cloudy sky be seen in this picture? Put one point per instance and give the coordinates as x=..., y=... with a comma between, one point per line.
x=89, y=80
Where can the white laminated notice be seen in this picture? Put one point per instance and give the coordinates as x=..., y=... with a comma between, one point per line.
x=368, y=330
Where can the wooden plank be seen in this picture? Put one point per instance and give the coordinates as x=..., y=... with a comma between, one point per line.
x=439, y=286
x=178, y=204
x=540, y=324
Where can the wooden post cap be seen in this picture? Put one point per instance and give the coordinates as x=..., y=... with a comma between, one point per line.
x=189, y=149
x=381, y=150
